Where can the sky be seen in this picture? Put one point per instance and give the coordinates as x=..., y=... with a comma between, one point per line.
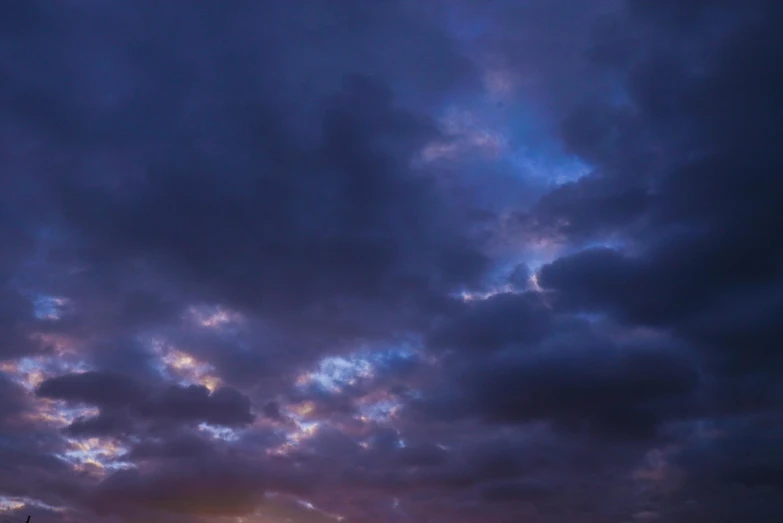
x=402, y=261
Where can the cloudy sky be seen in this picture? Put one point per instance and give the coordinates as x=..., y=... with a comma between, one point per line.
x=425, y=261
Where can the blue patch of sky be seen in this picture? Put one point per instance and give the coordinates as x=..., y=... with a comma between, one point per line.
x=379, y=411
x=221, y=433
x=534, y=151
x=48, y=307
x=334, y=372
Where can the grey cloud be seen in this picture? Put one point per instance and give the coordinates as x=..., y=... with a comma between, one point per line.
x=264, y=160
x=224, y=406
x=94, y=388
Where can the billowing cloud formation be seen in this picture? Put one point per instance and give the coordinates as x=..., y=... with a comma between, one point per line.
x=391, y=261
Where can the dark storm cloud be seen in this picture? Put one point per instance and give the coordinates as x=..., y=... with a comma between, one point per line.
x=708, y=260
x=702, y=254
x=224, y=406
x=686, y=178
x=252, y=156
x=620, y=391
x=14, y=402
x=570, y=373
x=748, y=454
x=369, y=231
x=495, y=323
x=94, y=388
x=236, y=191
x=266, y=171
x=731, y=472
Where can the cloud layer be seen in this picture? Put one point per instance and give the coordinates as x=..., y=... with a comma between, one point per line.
x=391, y=261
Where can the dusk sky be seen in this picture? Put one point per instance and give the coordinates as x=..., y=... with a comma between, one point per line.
x=391, y=261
